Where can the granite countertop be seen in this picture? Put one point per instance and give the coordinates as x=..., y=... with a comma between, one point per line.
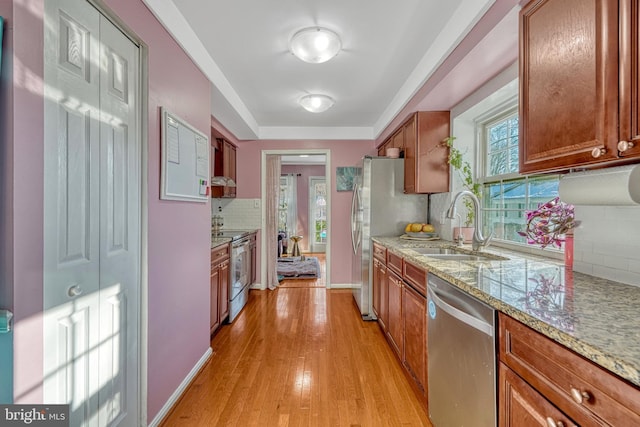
x=227, y=236
x=597, y=318
x=219, y=241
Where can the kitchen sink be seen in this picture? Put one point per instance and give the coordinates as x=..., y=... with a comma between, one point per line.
x=458, y=257
x=434, y=250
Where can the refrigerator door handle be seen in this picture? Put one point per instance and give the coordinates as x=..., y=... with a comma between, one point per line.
x=354, y=222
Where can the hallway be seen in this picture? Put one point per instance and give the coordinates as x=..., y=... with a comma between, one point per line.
x=300, y=357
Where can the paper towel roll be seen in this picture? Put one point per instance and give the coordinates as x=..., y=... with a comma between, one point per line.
x=619, y=186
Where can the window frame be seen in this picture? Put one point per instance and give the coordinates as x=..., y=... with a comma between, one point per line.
x=500, y=113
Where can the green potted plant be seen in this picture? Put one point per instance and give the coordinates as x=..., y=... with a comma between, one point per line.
x=463, y=169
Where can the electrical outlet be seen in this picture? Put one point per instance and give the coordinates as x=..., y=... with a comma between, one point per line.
x=256, y=204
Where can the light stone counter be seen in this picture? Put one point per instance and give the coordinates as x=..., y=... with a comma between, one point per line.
x=597, y=318
x=218, y=241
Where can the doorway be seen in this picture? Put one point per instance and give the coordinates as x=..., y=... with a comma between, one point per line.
x=92, y=216
x=311, y=154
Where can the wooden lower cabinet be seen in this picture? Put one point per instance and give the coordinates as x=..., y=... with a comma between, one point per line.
x=522, y=406
x=219, y=282
x=395, y=326
x=380, y=295
x=414, y=316
x=583, y=391
x=214, y=311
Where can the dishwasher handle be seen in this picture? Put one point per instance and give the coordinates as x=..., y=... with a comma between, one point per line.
x=465, y=318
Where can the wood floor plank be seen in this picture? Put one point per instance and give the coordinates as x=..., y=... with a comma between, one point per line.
x=300, y=357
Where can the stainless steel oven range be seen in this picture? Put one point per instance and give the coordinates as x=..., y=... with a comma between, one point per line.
x=240, y=274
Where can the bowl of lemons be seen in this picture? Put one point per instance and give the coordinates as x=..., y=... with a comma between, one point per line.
x=420, y=230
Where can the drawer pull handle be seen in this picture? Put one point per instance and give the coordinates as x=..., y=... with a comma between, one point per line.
x=624, y=146
x=553, y=423
x=597, y=152
x=580, y=396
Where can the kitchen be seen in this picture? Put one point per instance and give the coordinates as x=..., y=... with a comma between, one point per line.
x=597, y=247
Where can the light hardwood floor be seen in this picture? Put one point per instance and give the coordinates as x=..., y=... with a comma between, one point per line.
x=300, y=356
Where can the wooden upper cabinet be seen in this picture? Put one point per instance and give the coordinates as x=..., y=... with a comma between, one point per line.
x=629, y=84
x=224, y=165
x=425, y=158
x=569, y=83
x=397, y=140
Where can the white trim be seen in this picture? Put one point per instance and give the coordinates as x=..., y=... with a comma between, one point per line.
x=143, y=333
x=327, y=173
x=344, y=286
x=181, y=388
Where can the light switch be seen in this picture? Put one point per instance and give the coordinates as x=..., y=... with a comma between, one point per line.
x=256, y=204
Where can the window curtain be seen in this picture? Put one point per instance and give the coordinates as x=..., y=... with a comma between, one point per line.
x=271, y=217
x=291, y=195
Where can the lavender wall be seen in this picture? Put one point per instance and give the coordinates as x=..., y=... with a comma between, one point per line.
x=22, y=176
x=178, y=254
x=302, y=187
x=179, y=238
x=343, y=153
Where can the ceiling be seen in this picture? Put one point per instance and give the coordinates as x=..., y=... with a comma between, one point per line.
x=390, y=49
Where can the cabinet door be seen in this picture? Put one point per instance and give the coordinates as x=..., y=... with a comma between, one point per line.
x=397, y=140
x=629, y=74
x=376, y=287
x=230, y=159
x=520, y=405
x=215, y=291
x=383, y=313
x=414, y=313
x=568, y=83
x=223, y=299
x=394, y=325
x=431, y=166
x=410, y=156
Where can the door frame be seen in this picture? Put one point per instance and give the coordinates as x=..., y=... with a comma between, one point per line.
x=263, y=185
x=143, y=120
x=311, y=228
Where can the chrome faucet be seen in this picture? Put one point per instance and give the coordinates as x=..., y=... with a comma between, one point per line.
x=479, y=241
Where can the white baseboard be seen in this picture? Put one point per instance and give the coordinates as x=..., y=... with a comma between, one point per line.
x=181, y=388
x=343, y=286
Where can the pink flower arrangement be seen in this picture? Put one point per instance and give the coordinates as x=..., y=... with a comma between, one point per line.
x=548, y=224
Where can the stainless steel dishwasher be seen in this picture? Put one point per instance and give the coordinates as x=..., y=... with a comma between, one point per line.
x=461, y=358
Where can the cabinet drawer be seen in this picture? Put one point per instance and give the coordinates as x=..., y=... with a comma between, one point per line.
x=521, y=405
x=219, y=253
x=380, y=252
x=583, y=390
x=416, y=277
x=394, y=262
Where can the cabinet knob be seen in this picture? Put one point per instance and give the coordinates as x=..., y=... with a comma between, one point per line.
x=580, y=396
x=597, y=152
x=625, y=145
x=553, y=423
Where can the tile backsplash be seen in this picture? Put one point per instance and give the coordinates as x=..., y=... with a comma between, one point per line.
x=238, y=213
x=607, y=243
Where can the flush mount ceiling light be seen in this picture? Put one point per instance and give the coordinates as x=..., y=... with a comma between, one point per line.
x=315, y=45
x=316, y=103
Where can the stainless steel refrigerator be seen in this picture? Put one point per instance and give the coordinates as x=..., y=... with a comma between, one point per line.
x=379, y=208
